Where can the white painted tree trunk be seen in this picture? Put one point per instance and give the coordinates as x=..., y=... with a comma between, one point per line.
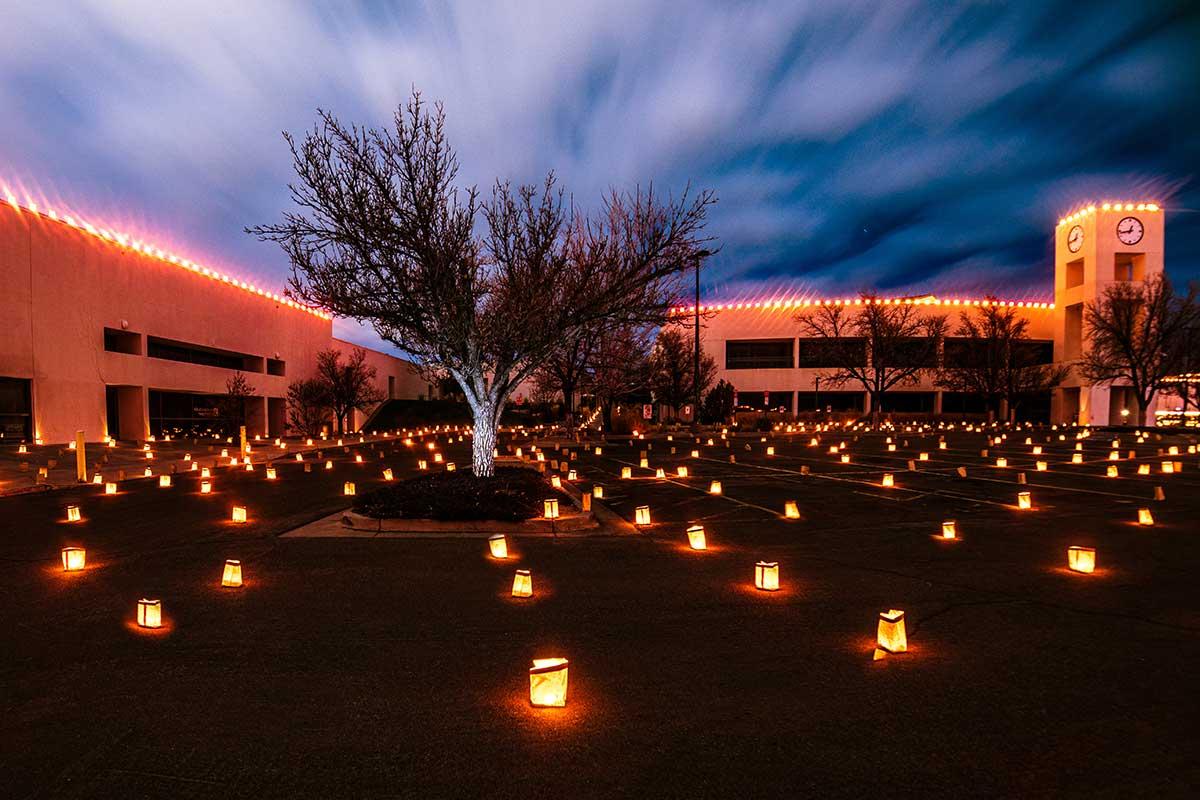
x=483, y=445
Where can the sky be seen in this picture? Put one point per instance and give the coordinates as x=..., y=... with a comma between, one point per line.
x=901, y=147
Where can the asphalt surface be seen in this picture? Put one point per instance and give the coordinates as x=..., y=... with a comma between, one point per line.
x=397, y=668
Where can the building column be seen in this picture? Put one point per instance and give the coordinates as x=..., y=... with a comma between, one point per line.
x=256, y=416
x=1093, y=404
x=937, y=403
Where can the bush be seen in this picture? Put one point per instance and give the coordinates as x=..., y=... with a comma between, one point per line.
x=513, y=494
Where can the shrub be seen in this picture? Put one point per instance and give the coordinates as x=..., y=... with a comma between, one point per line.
x=513, y=494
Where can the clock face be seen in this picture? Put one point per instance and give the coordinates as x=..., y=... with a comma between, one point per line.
x=1130, y=230
x=1075, y=239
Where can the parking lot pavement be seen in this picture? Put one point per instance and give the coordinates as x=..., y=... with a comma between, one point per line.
x=398, y=667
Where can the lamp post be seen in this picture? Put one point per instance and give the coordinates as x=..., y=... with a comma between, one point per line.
x=700, y=256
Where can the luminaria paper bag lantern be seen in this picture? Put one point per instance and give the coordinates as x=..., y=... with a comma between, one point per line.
x=1145, y=517
x=644, y=463
x=548, y=682
x=1001, y=462
x=660, y=473
x=1077, y=458
x=556, y=481
x=1081, y=559
x=641, y=515
x=889, y=480
x=231, y=577
x=949, y=529
x=348, y=488
x=1111, y=472
x=1042, y=466
x=239, y=514
x=845, y=458
x=598, y=492
x=522, y=584
x=1024, y=501
x=73, y=559
x=695, y=534
x=149, y=613
x=890, y=635
x=791, y=510
x=681, y=472
x=164, y=481
x=766, y=576
x=73, y=514
x=205, y=487
x=110, y=488
x=714, y=487
x=626, y=472
x=550, y=508
x=271, y=474
x=498, y=545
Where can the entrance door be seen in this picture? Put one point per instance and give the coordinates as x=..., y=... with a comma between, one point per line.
x=112, y=410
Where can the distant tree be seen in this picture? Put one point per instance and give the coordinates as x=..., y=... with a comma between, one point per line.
x=718, y=403
x=308, y=405
x=233, y=402
x=620, y=367
x=1138, y=336
x=385, y=237
x=998, y=363
x=879, y=345
x=1186, y=378
x=565, y=369
x=349, y=385
x=673, y=365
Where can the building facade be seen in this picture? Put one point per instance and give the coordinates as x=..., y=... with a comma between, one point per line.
x=761, y=348
x=105, y=334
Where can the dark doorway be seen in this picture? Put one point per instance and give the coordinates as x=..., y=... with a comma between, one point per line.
x=16, y=410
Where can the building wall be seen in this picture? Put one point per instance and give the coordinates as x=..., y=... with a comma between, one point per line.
x=395, y=378
x=62, y=286
x=779, y=320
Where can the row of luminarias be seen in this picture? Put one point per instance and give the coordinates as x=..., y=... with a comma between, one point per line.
x=548, y=677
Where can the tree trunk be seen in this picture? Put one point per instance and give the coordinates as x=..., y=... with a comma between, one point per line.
x=483, y=443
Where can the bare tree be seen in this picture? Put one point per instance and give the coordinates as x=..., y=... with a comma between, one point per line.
x=620, y=367
x=879, y=344
x=349, y=385
x=1138, y=336
x=672, y=368
x=385, y=237
x=233, y=402
x=308, y=405
x=564, y=370
x=998, y=362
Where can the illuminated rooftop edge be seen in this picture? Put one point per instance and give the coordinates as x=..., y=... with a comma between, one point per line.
x=1093, y=208
x=125, y=240
x=925, y=300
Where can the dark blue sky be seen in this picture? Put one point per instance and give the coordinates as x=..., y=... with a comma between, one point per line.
x=922, y=147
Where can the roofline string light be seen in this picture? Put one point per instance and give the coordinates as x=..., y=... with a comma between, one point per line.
x=138, y=246
x=1092, y=209
x=930, y=300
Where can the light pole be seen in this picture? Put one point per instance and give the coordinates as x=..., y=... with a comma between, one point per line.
x=700, y=256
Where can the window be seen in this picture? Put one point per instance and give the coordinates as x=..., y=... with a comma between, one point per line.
x=916, y=352
x=758, y=354
x=1129, y=267
x=1075, y=273
x=822, y=353
x=205, y=356
x=16, y=411
x=1073, y=334
x=961, y=352
x=823, y=401
x=765, y=401
x=963, y=403
x=276, y=367
x=1033, y=351
x=117, y=341
x=907, y=402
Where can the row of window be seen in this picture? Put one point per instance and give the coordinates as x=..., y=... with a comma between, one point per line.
x=893, y=402
x=117, y=341
x=828, y=353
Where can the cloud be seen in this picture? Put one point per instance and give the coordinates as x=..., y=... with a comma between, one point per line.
x=894, y=145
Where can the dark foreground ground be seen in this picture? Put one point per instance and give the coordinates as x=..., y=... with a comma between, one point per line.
x=397, y=668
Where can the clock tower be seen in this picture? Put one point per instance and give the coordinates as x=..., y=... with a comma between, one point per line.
x=1095, y=247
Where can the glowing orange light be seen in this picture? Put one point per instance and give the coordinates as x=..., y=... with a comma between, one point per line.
x=1081, y=559
x=73, y=559
x=890, y=634
x=766, y=576
x=548, y=682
